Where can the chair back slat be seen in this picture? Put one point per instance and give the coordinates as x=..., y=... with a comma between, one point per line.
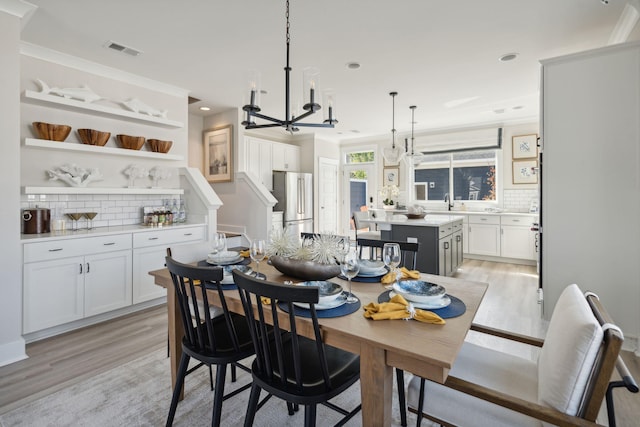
x=284, y=347
x=191, y=284
x=409, y=250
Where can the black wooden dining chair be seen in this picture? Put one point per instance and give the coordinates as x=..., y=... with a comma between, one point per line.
x=409, y=252
x=219, y=341
x=297, y=369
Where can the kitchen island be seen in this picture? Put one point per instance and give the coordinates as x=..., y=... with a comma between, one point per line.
x=440, y=238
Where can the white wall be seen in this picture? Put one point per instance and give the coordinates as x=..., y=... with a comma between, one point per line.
x=12, y=346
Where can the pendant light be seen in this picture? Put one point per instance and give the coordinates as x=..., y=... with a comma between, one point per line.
x=412, y=158
x=393, y=154
x=290, y=122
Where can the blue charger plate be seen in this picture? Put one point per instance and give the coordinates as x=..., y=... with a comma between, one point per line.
x=455, y=309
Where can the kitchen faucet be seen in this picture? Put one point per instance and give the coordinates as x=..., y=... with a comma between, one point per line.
x=448, y=201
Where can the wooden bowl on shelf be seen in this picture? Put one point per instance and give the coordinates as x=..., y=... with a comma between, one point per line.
x=130, y=142
x=51, y=131
x=159, y=146
x=93, y=137
x=415, y=215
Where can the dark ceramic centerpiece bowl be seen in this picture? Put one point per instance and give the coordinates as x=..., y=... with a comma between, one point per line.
x=304, y=270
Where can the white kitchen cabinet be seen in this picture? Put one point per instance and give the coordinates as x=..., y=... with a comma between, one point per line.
x=260, y=160
x=107, y=282
x=516, y=238
x=67, y=280
x=286, y=157
x=484, y=235
x=150, y=250
x=53, y=293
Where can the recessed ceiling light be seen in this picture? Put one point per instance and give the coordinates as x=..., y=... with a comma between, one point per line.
x=353, y=65
x=205, y=109
x=508, y=57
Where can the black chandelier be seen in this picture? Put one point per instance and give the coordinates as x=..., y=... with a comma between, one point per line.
x=411, y=157
x=290, y=121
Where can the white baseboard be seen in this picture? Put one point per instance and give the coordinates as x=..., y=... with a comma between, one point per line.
x=12, y=352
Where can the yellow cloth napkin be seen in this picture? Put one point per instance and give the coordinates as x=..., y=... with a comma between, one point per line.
x=265, y=300
x=404, y=275
x=245, y=253
x=399, y=308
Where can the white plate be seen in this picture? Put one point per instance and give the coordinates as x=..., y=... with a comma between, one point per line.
x=370, y=266
x=223, y=256
x=377, y=273
x=441, y=303
x=225, y=262
x=341, y=300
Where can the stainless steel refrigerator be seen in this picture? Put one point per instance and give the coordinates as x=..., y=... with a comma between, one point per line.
x=294, y=192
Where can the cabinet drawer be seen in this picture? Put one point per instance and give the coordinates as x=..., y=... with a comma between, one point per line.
x=445, y=230
x=522, y=220
x=484, y=219
x=159, y=237
x=44, y=251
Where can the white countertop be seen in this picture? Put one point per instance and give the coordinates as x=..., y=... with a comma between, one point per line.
x=428, y=221
x=98, y=231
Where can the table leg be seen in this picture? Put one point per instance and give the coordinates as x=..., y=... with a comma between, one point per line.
x=176, y=332
x=376, y=384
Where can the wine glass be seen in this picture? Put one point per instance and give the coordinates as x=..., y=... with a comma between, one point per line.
x=74, y=216
x=258, y=252
x=219, y=242
x=349, y=267
x=90, y=216
x=391, y=256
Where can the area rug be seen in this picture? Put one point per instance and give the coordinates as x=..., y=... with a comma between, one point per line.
x=139, y=393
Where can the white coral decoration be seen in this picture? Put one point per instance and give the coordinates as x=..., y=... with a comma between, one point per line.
x=283, y=242
x=323, y=248
x=75, y=176
x=326, y=248
x=159, y=173
x=133, y=172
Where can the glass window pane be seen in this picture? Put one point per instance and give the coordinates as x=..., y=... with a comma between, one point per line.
x=474, y=183
x=360, y=157
x=436, y=182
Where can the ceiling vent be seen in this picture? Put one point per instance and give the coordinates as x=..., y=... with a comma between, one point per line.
x=122, y=48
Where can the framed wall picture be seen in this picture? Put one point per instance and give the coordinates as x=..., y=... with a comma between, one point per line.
x=524, y=146
x=392, y=176
x=525, y=172
x=218, y=154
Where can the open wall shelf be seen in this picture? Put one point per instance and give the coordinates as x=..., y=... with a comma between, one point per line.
x=72, y=146
x=73, y=104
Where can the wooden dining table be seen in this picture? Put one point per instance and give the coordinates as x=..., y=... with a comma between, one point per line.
x=424, y=349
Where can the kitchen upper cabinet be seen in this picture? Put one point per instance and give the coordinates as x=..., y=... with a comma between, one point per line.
x=484, y=235
x=260, y=160
x=516, y=238
x=263, y=157
x=286, y=157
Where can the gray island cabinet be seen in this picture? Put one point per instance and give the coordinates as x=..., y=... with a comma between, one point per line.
x=440, y=238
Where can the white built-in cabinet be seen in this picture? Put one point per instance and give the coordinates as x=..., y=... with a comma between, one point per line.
x=149, y=252
x=484, y=235
x=263, y=157
x=67, y=280
x=516, y=238
x=74, y=278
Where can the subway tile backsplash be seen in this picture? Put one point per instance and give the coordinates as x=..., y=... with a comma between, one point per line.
x=113, y=210
x=519, y=200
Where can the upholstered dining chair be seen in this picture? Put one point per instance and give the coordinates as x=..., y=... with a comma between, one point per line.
x=359, y=216
x=299, y=370
x=220, y=341
x=565, y=386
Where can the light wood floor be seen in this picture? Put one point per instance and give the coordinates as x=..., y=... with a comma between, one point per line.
x=511, y=303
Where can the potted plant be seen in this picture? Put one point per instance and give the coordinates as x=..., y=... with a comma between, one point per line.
x=388, y=192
